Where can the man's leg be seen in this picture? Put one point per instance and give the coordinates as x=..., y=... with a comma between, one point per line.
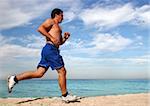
x=63, y=86
x=62, y=80
x=12, y=80
x=32, y=74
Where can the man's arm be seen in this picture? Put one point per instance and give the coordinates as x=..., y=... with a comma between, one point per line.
x=66, y=36
x=45, y=27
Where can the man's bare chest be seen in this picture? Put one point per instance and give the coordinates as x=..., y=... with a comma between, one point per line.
x=56, y=28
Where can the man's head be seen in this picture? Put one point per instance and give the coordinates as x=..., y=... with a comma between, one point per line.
x=57, y=13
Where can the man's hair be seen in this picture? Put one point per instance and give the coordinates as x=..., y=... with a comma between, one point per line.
x=56, y=11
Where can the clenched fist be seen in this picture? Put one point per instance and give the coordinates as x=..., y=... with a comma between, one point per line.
x=66, y=35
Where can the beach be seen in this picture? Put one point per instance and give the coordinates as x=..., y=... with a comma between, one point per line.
x=141, y=99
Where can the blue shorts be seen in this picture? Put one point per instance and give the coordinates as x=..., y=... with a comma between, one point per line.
x=50, y=57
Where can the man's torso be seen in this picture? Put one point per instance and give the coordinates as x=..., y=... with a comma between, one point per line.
x=55, y=32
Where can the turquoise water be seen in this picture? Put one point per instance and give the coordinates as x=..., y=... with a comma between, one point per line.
x=50, y=88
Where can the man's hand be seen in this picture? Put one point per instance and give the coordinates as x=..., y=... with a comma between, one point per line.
x=66, y=35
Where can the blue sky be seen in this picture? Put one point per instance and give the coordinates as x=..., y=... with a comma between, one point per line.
x=109, y=39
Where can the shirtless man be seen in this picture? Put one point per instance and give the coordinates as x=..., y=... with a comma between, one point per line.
x=50, y=56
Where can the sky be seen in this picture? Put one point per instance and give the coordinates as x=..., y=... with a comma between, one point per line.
x=109, y=38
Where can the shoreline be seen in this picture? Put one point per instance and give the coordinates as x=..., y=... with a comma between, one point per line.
x=139, y=99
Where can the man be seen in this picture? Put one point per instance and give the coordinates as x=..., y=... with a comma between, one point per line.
x=50, y=56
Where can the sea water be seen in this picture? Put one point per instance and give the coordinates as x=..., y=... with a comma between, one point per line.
x=86, y=87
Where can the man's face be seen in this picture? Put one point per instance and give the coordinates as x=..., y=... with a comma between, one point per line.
x=60, y=17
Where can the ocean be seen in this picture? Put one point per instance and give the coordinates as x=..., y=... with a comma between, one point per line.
x=50, y=88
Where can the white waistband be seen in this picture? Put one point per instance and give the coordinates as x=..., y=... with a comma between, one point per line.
x=49, y=42
x=52, y=43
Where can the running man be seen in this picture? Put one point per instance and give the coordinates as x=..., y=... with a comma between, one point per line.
x=50, y=55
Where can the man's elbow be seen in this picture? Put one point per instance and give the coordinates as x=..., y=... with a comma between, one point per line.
x=39, y=29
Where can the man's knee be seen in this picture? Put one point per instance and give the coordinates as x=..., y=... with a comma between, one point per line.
x=38, y=75
x=61, y=71
x=40, y=72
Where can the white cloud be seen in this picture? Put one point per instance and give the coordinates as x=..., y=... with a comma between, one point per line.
x=133, y=67
x=16, y=13
x=75, y=44
x=34, y=41
x=108, y=42
x=142, y=15
x=10, y=50
x=73, y=8
x=2, y=40
x=102, y=17
x=101, y=43
x=69, y=16
x=137, y=60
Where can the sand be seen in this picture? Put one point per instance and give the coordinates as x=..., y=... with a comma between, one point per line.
x=142, y=99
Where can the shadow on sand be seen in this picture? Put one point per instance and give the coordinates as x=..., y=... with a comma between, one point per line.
x=29, y=100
